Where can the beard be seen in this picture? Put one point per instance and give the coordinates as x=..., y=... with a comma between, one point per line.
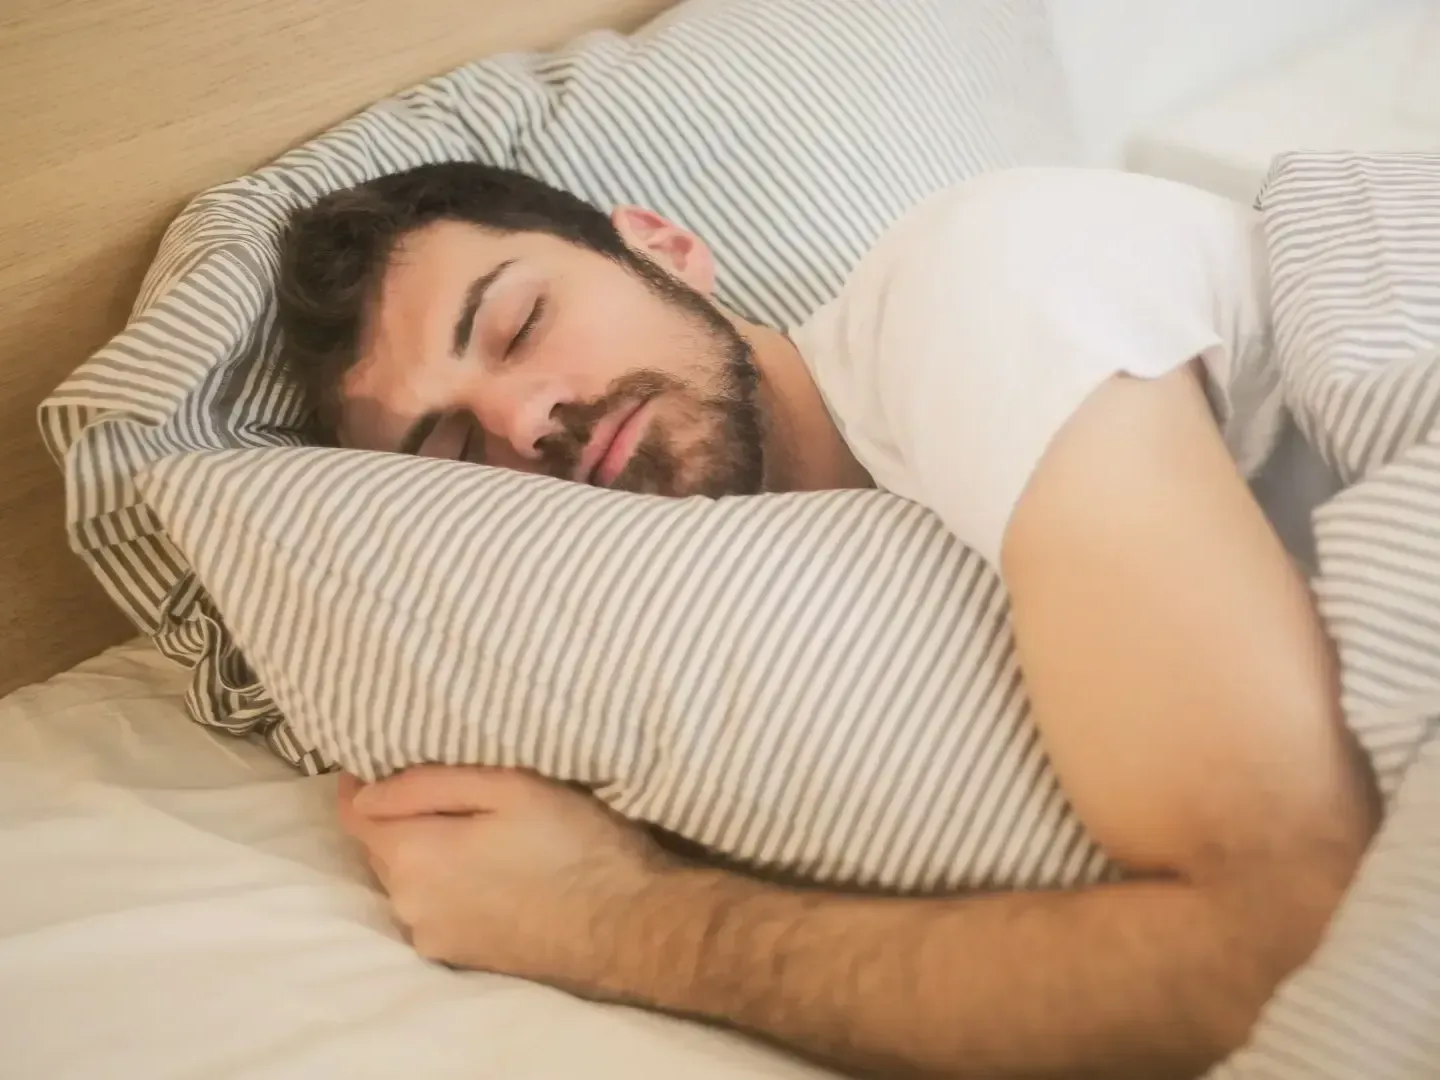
x=706, y=436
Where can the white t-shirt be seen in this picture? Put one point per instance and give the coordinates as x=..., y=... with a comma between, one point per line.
x=981, y=321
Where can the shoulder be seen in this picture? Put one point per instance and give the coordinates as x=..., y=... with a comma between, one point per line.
x=988, y=314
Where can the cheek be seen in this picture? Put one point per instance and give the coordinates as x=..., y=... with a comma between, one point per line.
x=624, y=332
x=585, y=356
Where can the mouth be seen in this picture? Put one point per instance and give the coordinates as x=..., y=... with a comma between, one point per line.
x=611, y=445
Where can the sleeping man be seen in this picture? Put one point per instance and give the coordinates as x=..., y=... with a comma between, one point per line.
x=1070, y=369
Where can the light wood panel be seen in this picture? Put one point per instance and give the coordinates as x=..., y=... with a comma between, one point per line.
x=113, y=113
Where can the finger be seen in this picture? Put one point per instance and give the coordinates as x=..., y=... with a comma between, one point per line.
x=442, y=789
x=384, y=844
x=394, y=848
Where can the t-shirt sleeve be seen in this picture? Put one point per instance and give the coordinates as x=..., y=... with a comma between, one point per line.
x=1005, y=310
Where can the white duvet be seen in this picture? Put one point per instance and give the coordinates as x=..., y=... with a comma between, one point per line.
x=175, y=903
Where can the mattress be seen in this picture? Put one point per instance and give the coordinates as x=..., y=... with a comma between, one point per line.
x=179, y=903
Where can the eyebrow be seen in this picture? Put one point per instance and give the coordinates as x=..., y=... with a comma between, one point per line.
x=474, y=297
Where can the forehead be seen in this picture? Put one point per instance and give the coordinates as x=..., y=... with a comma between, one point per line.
x=441, y=255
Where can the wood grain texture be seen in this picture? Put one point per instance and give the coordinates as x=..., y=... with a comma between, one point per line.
x=114, y=113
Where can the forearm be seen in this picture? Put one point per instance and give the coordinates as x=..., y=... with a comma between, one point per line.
x=1146, y=979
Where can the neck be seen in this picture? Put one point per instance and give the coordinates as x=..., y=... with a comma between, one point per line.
x=803, y=447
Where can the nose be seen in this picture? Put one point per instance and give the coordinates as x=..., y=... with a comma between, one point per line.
x=518, y=411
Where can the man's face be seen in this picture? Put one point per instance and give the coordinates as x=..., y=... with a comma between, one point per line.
x=522, y=351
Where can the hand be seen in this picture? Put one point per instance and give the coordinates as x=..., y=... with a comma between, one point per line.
x=501, y=870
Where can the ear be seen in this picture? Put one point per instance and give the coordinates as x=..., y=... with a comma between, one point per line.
x=672, y=246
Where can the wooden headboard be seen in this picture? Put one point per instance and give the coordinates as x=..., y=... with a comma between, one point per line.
x=113, y=113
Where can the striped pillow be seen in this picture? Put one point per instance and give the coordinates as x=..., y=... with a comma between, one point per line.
x=789, y=133
x=820, y=686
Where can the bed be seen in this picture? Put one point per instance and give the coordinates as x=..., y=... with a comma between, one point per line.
x=180, y=905
x=178, y=901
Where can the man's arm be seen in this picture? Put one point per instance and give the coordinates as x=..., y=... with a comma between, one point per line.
x=1149, y=979
x=1187, y=697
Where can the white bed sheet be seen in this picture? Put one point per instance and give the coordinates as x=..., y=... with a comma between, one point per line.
x=177, y=904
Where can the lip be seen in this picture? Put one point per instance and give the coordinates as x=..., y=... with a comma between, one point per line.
x=622, y=446
x=609, y=447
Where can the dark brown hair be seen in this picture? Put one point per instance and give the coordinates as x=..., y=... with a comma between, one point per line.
x=333, y=254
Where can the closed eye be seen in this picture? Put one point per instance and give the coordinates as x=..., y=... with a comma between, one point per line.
x=528, y=326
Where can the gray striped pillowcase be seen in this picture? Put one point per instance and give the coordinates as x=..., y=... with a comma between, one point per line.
x=789, y=133
x=818, y=686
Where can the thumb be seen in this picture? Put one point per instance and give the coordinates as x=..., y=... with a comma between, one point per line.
x=435, y=789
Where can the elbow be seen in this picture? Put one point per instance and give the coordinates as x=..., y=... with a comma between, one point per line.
x=1271, y=882
x=1273, y=912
